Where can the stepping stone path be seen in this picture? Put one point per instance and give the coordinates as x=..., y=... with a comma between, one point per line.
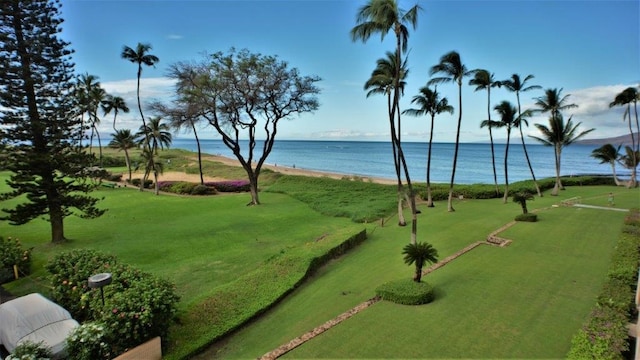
x=492, y=239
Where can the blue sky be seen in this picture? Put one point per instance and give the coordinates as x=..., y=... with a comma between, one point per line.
x=591, y=49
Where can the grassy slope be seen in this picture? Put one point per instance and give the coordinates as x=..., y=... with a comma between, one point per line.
x=492, y=302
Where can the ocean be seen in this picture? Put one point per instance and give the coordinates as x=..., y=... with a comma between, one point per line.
x=375, y=159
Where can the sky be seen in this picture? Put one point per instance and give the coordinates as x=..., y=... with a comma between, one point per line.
x=589, y=49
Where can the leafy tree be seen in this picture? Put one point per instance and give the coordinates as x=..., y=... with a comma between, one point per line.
x=484, y=80
x=516, y=85
x=508, y=118
x=382, y=82
x=609, y=154
x=381, y=17
x=115, y=104
x=452, y=70
x=39, y=120
x=239, y=93
x=420, y=254
x=124, y=140
x=558, y=134
x=521, y=198
x=429, y=102
x=140, y=55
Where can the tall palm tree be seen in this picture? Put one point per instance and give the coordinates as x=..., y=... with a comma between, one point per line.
x=452, y=70
x=85, y=84
x=140, y=55
x=124, y=140
x=558, y=134
x=516, y=85
x=96, y=97
x=484, y=80
x=626, y=97
x=380, y=17
x=419, y=254
x=158, y=133
x=429, y=103
x=115, y=104
x=508, y=118
x=608, y=153
x=382, y=82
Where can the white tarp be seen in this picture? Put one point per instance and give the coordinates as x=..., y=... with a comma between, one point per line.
x=36, y=318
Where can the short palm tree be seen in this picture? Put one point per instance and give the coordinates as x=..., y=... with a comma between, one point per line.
x=626, y=97
x=140, y=55
x=420, y=254
x=158, y=134
x=429, y=103
x=452, y=70
x=115, y=104
x=558, y=134
x=630, y=160
x=484, y=80
x=156, y=166
x=609, y=154
x=516, y=85
x=508, y=118
x=521, y=198
x=124, y=140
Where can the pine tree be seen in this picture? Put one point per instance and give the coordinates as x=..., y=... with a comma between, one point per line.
x=38, y=118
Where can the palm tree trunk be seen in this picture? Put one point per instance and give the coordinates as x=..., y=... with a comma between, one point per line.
x=429, y=196
x=493, y=154
x=128, y=161
x=394, y=144
x=455, y=152
x=115, y=113
x=99, y=146
x=146, y=131
x=418, y=276
x=557, y=186
x=412, y=196
x=615, y=177
x=195, y=133
x=506, y=168
x=526, y=155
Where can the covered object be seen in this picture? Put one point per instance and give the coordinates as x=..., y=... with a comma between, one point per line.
x=38, y=319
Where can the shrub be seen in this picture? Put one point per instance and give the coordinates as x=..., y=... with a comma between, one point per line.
x=202, y=190
x=29, y=350
x=406, y=292
x=11, y=253
x=138, y=306
x=529, y=217
x=114, y=177
x=230, y=186
x=147, y=183
x=88, y=342
x=603, y=337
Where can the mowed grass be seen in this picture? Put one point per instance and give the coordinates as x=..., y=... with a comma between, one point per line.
x=526, y=300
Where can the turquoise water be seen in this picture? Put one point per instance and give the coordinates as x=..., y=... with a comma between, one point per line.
x=375, y=159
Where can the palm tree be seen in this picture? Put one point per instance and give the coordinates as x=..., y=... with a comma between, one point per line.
x=115, y=104
x=158, y=133
x=153, y=165
x=124, y=140
x=84, y=87
x=453, y=70
x=419, y=254
x=141, y=56
x=382, y=82
x=484, y=80
x=507, y=114
x=429, y=103
x=626, y=97
x=630, y=160
x=521, y=198
x=380, y=17
x=96, y=97
x=558, y=134
x=514, y=84
x=608, y=153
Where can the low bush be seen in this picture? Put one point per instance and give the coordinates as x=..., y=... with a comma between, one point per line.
x=29, y=350
x=88, y=342
x=203, y=190
x=230, y=186
x=529, y=217
x=406, y=292
x=137, y=305
x=136, y=182
x=114, y=177
x=12, y=253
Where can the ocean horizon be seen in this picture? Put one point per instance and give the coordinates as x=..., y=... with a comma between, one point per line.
x=375, y=159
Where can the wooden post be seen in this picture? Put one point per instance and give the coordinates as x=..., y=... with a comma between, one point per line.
x=15, y=272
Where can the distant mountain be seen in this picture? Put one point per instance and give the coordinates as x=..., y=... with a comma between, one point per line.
x=615, y=141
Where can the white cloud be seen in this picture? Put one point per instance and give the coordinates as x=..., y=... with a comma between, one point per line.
x=175, y=37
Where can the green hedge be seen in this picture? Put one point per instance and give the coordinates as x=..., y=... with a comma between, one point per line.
x=406, y=292
x=529, y=217
x=604, y=336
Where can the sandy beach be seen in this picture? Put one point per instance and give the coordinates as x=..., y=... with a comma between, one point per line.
x=181, y=176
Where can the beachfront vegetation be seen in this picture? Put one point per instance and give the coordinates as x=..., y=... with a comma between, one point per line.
x=559, y=135
x=406, y=292
x=507, y=120
x=381, y=17
x=626, y=98
x=419, y=254
x=451, y=69
x=609, y=154
x=39, y=125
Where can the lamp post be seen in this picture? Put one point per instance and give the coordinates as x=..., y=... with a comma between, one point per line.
x=98, y=281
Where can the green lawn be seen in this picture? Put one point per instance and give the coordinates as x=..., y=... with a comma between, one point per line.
x=526, y=300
